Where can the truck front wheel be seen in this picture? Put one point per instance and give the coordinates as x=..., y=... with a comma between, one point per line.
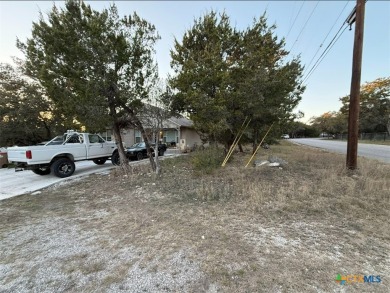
x=63, y=167
x=42, y=171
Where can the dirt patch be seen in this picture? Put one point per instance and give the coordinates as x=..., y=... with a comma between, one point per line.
x=236, y=230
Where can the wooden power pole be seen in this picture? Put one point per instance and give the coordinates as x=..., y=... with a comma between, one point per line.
x=354, y=100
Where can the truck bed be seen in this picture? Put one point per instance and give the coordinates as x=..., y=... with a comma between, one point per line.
x=41, y=154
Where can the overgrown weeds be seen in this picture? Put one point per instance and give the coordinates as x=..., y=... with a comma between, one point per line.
x=207, y=160
x=312, y=182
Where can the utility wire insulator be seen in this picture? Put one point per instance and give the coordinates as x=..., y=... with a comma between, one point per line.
x=352, y=17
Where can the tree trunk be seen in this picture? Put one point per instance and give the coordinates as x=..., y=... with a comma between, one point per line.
x=48, y=130
x=140, y=127
x=240, y=147
x=147, y=144
x=157, y=162
x=227, y=148
x=156, y=158
x=255, y=139
x=229, y=144
x=124, y=161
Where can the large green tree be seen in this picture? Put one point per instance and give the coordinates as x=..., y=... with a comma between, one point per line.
x=94, y=65
x=27, y=116
x=374, y=106
x=330, y=123
x=201, y=78
x=223, y=76
x=266, y=87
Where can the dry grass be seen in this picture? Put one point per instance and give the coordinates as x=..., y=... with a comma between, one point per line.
x=368, y=141
x=235, y=230
x=383, y=142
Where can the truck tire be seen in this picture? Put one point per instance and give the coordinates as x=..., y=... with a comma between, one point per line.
x=63, y=167
x=99, y=161
x=42, y=171
x=115, y=160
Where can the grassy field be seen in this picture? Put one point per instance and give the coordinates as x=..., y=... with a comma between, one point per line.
x=198, y=229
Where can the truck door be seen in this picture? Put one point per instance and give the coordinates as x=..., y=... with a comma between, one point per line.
x=74, y=143
x=97, y=147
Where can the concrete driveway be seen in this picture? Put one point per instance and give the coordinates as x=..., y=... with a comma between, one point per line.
x=16, y=183
x=372, y=151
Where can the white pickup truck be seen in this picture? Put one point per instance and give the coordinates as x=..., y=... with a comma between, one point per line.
x=59, y=154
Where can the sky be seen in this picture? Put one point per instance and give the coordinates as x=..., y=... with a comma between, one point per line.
x=307, y=26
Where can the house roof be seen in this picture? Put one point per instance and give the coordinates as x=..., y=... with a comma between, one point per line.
x=181, y=121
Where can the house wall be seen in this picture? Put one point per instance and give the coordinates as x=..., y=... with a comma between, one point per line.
x=190, y=136
x=128, y=137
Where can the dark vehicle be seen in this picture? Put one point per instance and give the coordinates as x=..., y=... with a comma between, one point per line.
x=138, y=151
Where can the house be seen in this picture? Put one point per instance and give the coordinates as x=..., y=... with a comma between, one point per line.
x=176, y=132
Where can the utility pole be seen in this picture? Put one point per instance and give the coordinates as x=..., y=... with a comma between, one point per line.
x=354, y=100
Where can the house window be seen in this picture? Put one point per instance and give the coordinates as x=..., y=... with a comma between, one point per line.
x=170, y=137
x=137, y=136
x=107, y=135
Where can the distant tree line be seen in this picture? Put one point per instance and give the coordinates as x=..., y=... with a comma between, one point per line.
x=27, y=114
x=374, y=113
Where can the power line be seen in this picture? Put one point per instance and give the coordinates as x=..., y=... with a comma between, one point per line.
x=325, y=52
x=323, y=55
x=349, y=21
x=292, y=14
x=295, y=19
x=323, y=41
x=304, y=26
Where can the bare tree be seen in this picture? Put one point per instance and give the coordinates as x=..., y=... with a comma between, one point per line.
x=153, y=116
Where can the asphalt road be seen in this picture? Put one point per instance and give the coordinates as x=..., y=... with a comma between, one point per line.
x=16, y=183
x=372, y=151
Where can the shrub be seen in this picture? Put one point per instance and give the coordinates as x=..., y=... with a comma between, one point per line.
x=207, y=160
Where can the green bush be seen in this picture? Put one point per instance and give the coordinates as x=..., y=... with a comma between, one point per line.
x=207, y=160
